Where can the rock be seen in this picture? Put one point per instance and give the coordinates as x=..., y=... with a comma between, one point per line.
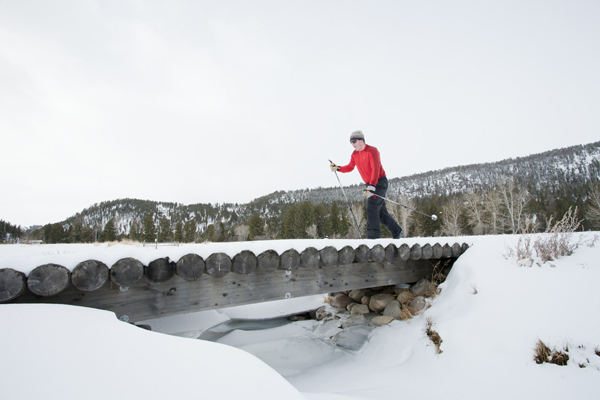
x=350, y=306
x=341, y=300
x=379, y=301
x=392, y=309
x=353, y=320
x=405, y=297
x=423, y=288
x=365, y=300
x=381, y=320
x=357, y=294
x=359, y=309
x=418, y=304
x=322, y=313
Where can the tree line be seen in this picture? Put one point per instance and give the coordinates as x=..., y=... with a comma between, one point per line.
x=507, y=208
x=9, y=233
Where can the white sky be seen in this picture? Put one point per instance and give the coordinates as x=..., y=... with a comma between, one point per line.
x=226, y=101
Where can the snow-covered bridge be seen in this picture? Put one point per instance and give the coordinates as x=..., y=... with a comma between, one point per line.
x=143, y=283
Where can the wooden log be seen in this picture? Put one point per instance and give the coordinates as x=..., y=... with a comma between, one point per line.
x=362, y=254
x=464, y=247
x=126, y=272
x=426, y=252
x=244, y=262
x=377, y=253
x=404, y=252
x=268, y=260
x=289, y=260
x=190, y=267
x=456, y=250
x=12, y=284
x=329, y=256
x=446, y=251
x=89, y=275
x=391, y=252
x=346, y=255
x=438, y=251
x=218, y=265
x=48, y=279
x=310, y=258
x=160, y=270
x=416, y=252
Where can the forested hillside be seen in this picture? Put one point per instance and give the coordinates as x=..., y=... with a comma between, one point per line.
x=501, y=197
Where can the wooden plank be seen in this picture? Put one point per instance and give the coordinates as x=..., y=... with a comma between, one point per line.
x=147, y=300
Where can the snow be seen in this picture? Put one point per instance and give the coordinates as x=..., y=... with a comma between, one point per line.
x=25, y=257
x=490, y=314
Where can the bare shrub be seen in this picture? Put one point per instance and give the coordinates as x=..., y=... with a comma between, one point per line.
x=593, y=209
x=557, y=239
x=555, y=242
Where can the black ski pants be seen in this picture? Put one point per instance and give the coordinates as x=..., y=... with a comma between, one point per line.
x=378, y=213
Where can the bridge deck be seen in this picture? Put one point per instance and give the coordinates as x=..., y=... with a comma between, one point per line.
x=161, y=290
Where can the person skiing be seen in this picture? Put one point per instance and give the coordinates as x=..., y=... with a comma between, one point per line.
x=366, y=158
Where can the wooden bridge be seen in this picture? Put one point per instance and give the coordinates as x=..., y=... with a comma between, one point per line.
x=136, y=292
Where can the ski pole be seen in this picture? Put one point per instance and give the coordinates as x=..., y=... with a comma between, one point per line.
x=433, y=217
x=348, y=203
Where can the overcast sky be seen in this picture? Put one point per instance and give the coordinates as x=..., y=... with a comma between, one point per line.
x=227, y=101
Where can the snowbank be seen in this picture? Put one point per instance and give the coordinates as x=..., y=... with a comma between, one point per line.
x=64, y=352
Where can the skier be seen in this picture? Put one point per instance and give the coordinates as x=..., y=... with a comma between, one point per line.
x=366, y=158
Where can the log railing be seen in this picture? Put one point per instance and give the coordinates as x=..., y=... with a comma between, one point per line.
x=136, y=292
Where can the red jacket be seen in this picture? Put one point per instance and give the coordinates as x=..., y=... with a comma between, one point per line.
x=368, y=163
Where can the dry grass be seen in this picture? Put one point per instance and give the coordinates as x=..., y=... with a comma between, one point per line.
x=433, y=335
x=438, y=276
x=543, y=354
x=597, y=351
x=405, y=297
x=559, y=357
x=405, y=314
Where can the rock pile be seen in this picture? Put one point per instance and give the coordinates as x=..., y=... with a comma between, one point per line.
x=378, y=306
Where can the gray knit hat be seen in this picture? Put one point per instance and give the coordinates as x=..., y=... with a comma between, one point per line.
x=357, y=135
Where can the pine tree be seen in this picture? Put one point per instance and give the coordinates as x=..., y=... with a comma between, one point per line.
x=320, y=218
x=109, y=233
x=335, y=220
x=190, y=231
x=289, y=220
x=149, y=228
x=165, y=234
x=211, y=234
x=179, y=232
x=256, y=226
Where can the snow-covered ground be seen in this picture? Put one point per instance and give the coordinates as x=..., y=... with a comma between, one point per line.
x=490, y=314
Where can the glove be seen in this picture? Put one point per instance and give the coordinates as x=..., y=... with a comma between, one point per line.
x=334, y=167
x=370, y=191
